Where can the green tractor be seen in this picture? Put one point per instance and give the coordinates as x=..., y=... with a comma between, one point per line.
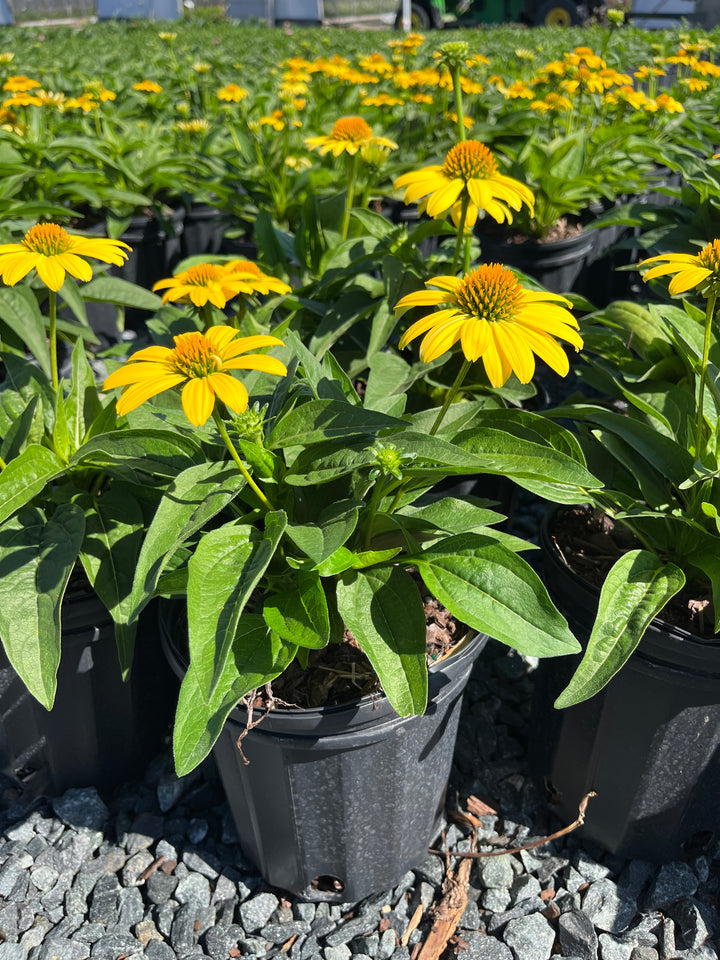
x=427, y=14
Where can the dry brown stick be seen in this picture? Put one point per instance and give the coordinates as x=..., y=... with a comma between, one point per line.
x=152, y=868
x=414, y=921
x=448, y=911
x=476, y=855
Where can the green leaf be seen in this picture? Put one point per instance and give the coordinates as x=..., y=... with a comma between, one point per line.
x=222, y=574
x=383, y=610
x=258, y=656
x=319, y=420
x=522, y=459
x=453, y=515
x=635, y=590
x=193, y=498
x=709, y=563
x=325, y=462
x=61, y=431
x=344, y=559
x=121, y=292
x=20, y=431
x=141, y=456
x=300, y=616
x=114, y=527
x=83, y=404
x=26, y=476
x=494, y=591
x=37, y=557
x=332, y=528
x=20, y=311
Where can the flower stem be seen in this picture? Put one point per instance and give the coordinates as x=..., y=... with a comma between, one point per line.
x=240, y=465
x=451, y=394
x=206, y=315
x=699, y=423
x=350, y=197
x=52, y=336
x=460, y=232
x=458, y=102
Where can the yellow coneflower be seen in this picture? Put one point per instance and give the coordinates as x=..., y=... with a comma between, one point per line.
x=695, y=84
x=665, y=102
x=20, y=84
x=147, y=86
x=348, y=135
x=200, y=362
x=194, y=125
x=204, y=283
x=495, y=319
x=469, y=174
x=252, y=279
x=382, y=100
x=232, y=93
x=200, y=66
x=700, y=271
x=52, y=251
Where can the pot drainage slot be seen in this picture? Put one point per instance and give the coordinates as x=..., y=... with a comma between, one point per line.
x=327, y=884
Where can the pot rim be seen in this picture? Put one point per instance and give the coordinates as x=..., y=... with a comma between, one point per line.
x=457, y=655
x=672, y=631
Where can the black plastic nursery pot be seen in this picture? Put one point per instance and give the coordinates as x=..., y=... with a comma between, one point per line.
x=648, y=743
x=203, y=229
x=100, y=732
x=339, y=802
x=557, y=265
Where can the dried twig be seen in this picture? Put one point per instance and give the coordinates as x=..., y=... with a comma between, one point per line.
x=152, y=868
x=249, y=700
x=476, y=855
x=414, y=921
x=448, y=911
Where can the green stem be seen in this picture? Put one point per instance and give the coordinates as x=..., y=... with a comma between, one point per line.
x=460, y=232
x=451, y=394
x=2, y=464
x=350, y=197
x=458, y=102
x=52, y=335
x=377, y=495
x=240, y=465
x=207, y=317
x=699, y=424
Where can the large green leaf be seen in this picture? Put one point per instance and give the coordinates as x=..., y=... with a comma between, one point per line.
x=222, y=574
x=20, y=311
x=82, y=406
x=495, y=591
x=258, y=656
x=383, y=610
x=141, y=456
x=333, y=525
x=520, y=459
x=109, y=289
x=26, y=476
x=300, y=616
x=26, y=428
x=453, y=515
x=113, y=536
x=635, y=590
x=193, y=498
x=321, y=420
x=36, y=559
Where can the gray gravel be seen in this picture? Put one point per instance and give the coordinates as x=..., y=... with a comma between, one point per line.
x=75, y=882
